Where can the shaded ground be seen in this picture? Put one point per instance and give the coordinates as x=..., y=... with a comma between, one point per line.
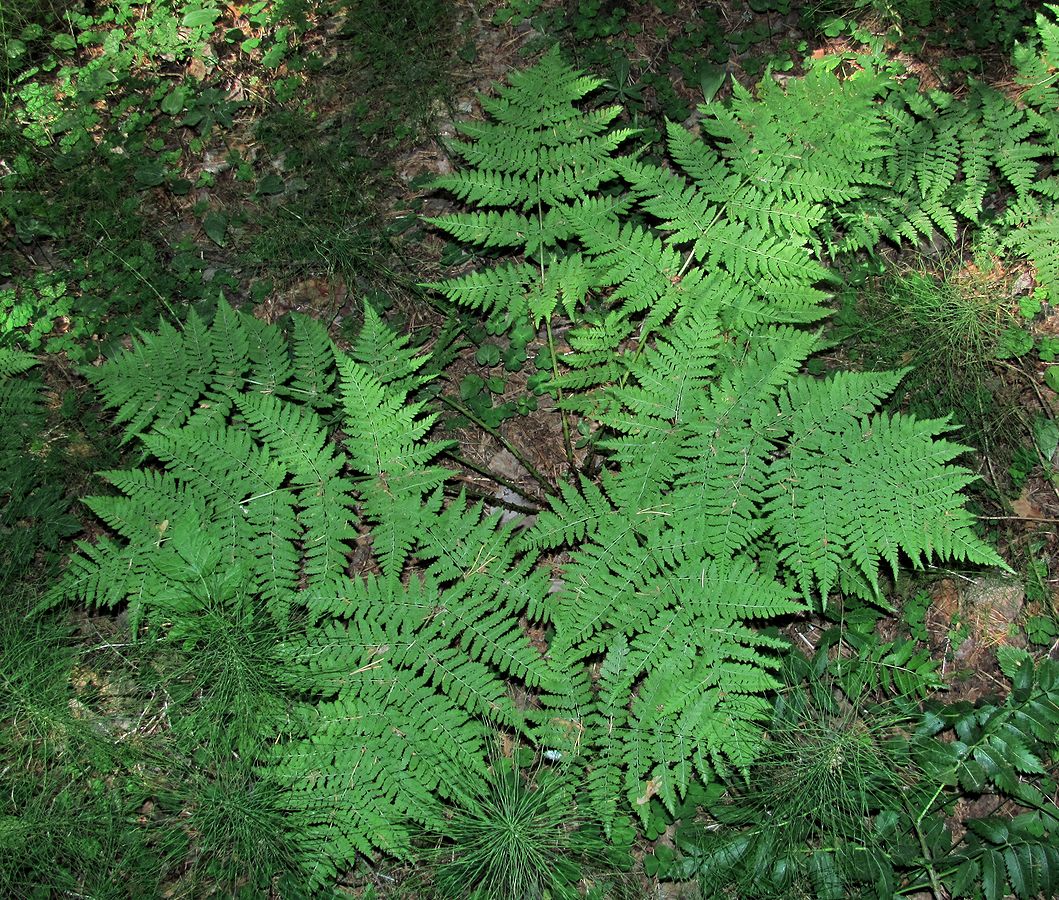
x=338, y=180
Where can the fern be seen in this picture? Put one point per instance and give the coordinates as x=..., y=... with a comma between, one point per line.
x=287, y=483
x=251, y=509
x=734, y=489
x=33, y=507
x=531, y=166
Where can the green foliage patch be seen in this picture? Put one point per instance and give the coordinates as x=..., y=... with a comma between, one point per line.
x=104, y=111
x=332, y=641
x=357, y=631
x=854, y=797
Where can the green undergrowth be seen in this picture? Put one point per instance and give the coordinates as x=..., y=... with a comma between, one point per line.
x=955, y=325
x=659, y=57
x=105, y=112
x=120, y=119
x=856, y=794
x=325, y=213
x=290, y=654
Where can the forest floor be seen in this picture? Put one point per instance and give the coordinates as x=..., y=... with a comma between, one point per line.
x=312, y=203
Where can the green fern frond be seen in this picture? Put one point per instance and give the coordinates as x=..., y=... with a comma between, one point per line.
x=746, y=251
x=395, y=682
x=530, y=169
x=15, y=362
x=243, y=484
x=593, y=360
x=635, y=261
x=673, y=373
x=1039, y=242
x=313, y=364
x=230, y=346
x=493, y=583
x=385, y=446
x=541, y=96
x=324, y=498
x=821, y=516
x=500, y=292
x=270, y=356
x=359, y=782
x=23, y=412
x=1036, y=63
x=574, y=516
x=105, y=573
x=156, y=381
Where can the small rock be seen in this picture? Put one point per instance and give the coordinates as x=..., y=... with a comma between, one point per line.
x=505, y=464
x=989, y=608
x=215, y=162
x=1023, y=285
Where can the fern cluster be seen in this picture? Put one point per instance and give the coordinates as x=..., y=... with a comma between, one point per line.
x=286, y=487
x=290, y=505
x=736, y=490
x=984, y=158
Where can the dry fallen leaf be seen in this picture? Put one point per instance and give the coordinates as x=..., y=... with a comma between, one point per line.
x=1025, y=508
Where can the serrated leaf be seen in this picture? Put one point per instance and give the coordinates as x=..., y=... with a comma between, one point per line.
x=993, y=829
x=967, y=875
x=1023, y=681
x=1022, y=875
x=994, y=873
x=972, y=776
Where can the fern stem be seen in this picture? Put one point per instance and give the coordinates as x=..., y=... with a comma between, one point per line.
x=568, y=447
x=690, y=258
x=499, y=479
x=549, y=488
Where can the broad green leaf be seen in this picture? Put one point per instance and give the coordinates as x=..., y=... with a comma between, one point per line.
x=216, y=227
x=149, y=174
x=200, y=18
x=270, y=184
x=174, y=102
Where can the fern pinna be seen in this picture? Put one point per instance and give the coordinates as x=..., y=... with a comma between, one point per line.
x=288, y=483
x=736, y=490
